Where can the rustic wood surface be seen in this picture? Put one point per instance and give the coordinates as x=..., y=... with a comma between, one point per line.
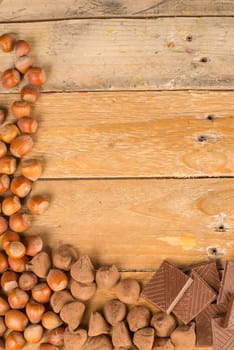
x=131, y=54
x=26, y=10
x=129, y=171
x=138, y=223
x=115, y=135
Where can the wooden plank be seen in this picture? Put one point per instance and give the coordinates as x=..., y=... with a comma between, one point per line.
x=25, y=10
x=143, y=134
x=131, y=54
x=138, y=223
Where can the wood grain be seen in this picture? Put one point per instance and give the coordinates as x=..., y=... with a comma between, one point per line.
x=25, y=10
x=138, y=223
x=131, y=54
x=143, y=134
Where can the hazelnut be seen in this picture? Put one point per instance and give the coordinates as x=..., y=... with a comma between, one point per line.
x=10, y=78
x=35, y=76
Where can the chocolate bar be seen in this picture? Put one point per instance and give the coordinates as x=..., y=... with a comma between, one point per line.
x=223, y=338
x=210, y=274
x=166, y=287
x=229, y=319
x=227, y=283
x=203, y=323
x=196, y=298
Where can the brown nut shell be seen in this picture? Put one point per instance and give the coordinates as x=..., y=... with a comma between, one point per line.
x=30, y=93
x=7, y=42
x=35, y=76
x=22, y=48
x=37, y=204
x=10, y=78
x=31, y=169
x=21, y=145
x=21, y=109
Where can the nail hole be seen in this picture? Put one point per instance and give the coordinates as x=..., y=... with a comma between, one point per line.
x=212, y=251
x=210, y=117
x=220, y=228
x=204, y=60
x=189, y=38
x=202, y=138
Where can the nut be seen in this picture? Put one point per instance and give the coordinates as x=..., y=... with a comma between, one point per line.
x=10, y=78
x=35, y=76
x=29, y=93
x=22, y=48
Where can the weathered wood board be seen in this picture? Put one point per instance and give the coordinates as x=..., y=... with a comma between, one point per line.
x=25, y=10
x=138, y=134
x=131, y=54
x=138, y=223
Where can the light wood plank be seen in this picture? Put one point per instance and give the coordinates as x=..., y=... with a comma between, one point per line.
x=143, y=134
x=25, y=10
x=138, y=223
x=128, y=54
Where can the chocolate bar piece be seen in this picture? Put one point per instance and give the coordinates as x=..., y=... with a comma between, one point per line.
x=229, y=319
x=210, y=274
x=203, y=323
x=166, y=287
x=196, y=298
x=227, y=283
x=223, y=338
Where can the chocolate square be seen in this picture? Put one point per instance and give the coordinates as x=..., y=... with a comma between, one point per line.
x=229, y=319
x=196, y=298
x=166, y=287
x=227, y=283
x=223, y=338
x=203, y=323
x=209, y=272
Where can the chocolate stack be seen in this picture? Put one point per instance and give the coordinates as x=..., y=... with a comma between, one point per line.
x=197, y=294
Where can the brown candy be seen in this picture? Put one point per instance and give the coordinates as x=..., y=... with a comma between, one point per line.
x=128, y=291
x=97, y=325
x=163, y=324
x=184, y=336
x=120, y=335
x=114, y=311
x=144, y=338
x=74, y=340
x=138, y=317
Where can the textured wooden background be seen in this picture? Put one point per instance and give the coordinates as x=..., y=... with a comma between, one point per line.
x=136, y=127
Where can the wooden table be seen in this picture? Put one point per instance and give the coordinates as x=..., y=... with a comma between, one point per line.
x=136, y=127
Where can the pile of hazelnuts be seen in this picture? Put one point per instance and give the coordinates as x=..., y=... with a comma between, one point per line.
x=17, y=206
x=16, y=141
